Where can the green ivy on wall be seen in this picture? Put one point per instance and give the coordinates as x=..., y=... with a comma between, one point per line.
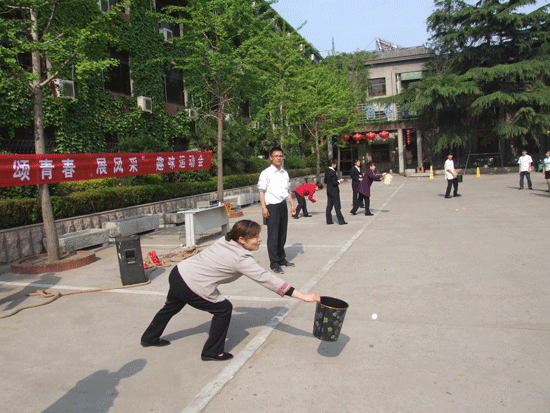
x=99, y=121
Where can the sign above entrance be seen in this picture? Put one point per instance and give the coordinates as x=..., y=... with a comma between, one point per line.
x=411, y=76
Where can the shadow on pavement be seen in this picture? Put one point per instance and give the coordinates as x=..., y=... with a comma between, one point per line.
x=97, y=392
x=19, y=297
x=333, y=348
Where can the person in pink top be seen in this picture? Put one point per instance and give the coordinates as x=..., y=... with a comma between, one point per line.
x=301, y=192
x=195, y=281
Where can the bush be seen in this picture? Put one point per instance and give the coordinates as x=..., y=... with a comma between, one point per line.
x=295, y=162
x=311, y=160
x=19, y=212
x=256, y=165
x=67, y=188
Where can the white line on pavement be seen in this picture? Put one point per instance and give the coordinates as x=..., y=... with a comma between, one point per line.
x=213, y=387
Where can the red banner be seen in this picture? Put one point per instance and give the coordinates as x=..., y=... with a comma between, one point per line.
x=21, y=170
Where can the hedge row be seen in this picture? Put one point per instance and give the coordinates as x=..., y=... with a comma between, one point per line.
x=20, y=212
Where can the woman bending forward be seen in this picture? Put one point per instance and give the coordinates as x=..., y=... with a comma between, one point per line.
x=195, y=281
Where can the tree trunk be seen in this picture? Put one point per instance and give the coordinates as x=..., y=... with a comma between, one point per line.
x=220, y=153
x=319, y=182
x=48, y=219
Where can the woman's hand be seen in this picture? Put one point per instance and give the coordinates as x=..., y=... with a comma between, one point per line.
x=312, y=298
x=309, y=298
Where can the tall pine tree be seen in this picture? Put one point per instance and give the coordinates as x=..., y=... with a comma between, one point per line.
x=490, y=81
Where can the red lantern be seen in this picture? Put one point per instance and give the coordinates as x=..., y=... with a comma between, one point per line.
x=357, y=137
x=384, y=135
x=408, y=136
x=370, y=136
x=345, y=137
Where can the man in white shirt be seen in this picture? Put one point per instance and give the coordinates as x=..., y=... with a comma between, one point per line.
x=525, y=161
x=546, y=170
x=274, y=187
x=451, y=176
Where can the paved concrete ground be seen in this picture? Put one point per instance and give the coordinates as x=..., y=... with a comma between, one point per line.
x=461, y=288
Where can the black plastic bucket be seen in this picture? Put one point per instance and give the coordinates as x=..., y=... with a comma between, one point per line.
x=329, y=317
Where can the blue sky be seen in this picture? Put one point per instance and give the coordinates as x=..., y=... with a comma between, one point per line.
x=354, y=24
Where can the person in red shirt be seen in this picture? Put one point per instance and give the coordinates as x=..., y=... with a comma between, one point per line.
x=301, y=192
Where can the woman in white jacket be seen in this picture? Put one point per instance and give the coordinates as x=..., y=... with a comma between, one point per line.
x=195, y=281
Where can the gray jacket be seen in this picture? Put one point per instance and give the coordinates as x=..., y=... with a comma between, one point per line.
x=224, y=262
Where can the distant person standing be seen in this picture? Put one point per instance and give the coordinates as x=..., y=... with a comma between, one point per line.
x=301, y=192
x=356, y=175
x=333, y=193
x=274, y=186
x=451, y=176
x=546, y=171
x=364, y=187
x=525, y=161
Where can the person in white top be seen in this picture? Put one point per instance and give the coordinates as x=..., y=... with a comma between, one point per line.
x=525, y=161
x=546, y=170
x=274, y=187
x=451, y=176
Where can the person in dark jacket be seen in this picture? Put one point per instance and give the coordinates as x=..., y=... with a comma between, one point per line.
x=364, y=187
x=356, y=175
x=333, y=193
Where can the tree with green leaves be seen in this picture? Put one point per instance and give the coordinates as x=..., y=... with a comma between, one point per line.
x=324, y=102
x=219, y=35
x=490, y=81
x=44, y=40
x=278, y=61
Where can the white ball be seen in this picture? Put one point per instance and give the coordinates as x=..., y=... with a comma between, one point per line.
x=374, y=316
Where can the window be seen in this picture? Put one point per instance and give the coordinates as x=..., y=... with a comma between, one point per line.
x=175, y=28
x=377, y=87
x=117, y=79
x=105, y=5
x=173, y=87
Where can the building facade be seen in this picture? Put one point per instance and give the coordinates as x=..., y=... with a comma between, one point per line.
x=390, y=72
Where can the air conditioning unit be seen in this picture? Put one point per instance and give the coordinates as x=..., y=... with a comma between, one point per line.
x=228, y=116
x=167, y=33
x=192, y=113
x=63, y=88
x=145, y=104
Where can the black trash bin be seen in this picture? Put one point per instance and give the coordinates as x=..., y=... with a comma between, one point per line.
x=130, y=260
x=329, y=317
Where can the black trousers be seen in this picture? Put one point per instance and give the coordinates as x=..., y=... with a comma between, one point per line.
x=452, y=183
x=334, y=201
x=301, y=204
x=179, y=295
x=363, y=199
x=356, y=199
x=277, y=224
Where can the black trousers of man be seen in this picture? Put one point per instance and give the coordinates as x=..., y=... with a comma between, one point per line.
x=179, y=295
x=452, y=183
x=277, y=224
x=301, y=204
x=334, y=201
